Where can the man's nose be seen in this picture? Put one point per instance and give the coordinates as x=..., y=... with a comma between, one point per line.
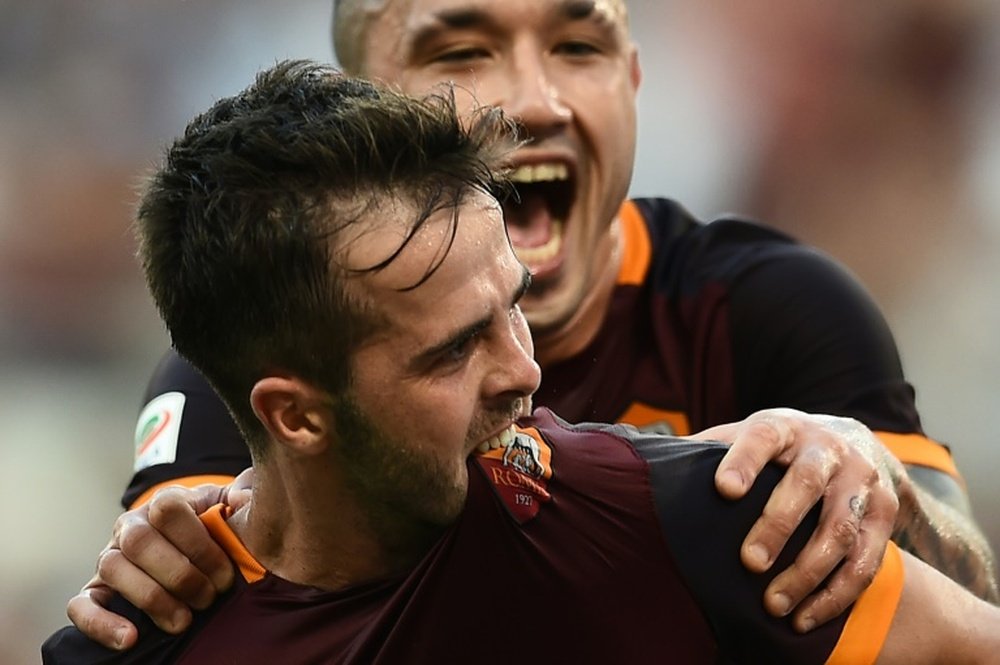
x=515, y=372
x=532, y=97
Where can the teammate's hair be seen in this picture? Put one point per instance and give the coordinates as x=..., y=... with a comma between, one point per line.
x=239, y=227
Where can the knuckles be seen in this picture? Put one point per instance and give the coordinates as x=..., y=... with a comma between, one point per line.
x=765, y=432
x=845, y=532
x=811, y=478
x=779, y=522
x=830, y=603
x=809, y=577
x=185, y=583
x=134, y=536
x=862, y=573
x=167, y=506
x=108, y=562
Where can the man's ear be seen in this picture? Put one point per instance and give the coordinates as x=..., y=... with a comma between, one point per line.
x=635, y=69
x=294, y=413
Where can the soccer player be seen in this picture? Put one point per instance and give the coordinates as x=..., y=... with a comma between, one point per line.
x=640, y=314
x=331, y=255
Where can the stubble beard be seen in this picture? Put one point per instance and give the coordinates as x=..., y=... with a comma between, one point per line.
x=409, y=496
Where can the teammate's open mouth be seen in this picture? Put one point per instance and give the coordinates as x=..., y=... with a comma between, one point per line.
x=536, y=213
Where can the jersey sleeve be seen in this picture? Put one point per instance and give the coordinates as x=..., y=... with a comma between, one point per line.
x=69, y=646
x=806, y=335
x=184, y=433
x=705, y=532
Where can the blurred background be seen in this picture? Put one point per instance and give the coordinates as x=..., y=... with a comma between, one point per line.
x=870, y=131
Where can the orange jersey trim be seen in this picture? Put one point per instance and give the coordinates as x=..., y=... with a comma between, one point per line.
x=214, y=520
x=637, y=250
x=920, y=450
x=868, y=625
x=185, y=481
x=641, y=415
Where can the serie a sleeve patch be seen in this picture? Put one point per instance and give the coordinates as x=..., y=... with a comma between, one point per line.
x=158, y=430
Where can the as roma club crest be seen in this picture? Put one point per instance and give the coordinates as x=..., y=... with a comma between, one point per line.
x=520, y=472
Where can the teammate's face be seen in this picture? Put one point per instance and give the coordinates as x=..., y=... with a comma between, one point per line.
x=451, y=368
x=567, y=70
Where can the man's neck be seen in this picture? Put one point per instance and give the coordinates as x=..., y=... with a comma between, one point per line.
x=307, y=531
x=576, y=333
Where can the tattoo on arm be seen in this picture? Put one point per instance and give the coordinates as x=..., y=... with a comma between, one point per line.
x=935, y=524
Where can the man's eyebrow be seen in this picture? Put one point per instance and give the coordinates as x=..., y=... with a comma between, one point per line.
x=578, y=9
x=471, y=17
x=462, y=335
x=449, y=19
x=586, y=10
x=523, y=287
x=459, y=337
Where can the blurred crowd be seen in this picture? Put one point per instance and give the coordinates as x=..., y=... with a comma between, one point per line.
x=869, y=130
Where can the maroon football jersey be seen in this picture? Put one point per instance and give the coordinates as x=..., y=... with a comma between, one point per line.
x=577, y=544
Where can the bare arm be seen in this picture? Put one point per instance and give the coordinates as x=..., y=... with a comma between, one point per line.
x=935, y=523
x=937, y=621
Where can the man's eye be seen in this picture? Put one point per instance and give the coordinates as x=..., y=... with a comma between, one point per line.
x=575, y=48
x=458, y=351
x=461, y=55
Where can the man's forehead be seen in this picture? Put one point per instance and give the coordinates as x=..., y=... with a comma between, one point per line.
x=475, y=261
x=386, y=251
x=614, y=10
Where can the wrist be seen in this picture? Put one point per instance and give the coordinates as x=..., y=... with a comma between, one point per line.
x=907, y=517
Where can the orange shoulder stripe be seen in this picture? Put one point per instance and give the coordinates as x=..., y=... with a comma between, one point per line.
x=872, y=614
x=214, y=520
x=186, y=481
x=920, y=450
x=637, y=250
x=642, y=415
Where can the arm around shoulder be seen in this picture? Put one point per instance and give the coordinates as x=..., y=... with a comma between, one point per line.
x=937, y=621
x=808, y=336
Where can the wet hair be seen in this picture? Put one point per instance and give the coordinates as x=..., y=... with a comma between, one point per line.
x=239, y=227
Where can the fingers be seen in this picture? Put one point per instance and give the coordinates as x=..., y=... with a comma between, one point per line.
x=834, y=459
x=802, y=486
x=826, y=548
x=757, y=440
x=141, y=590
x=86, y=612
x=238, y=493
x=843, y=555
x=844, y=586
x=841, y=588
x=198, y=499
x=174, y=548
x=162, y=560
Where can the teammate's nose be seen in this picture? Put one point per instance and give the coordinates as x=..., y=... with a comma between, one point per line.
x=532, y=97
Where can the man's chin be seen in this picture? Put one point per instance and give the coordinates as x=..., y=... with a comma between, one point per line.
x=548, y=309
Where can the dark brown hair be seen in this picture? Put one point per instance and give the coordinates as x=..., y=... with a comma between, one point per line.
x=238, y=228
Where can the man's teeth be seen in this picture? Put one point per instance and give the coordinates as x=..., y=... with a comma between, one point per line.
x=501, y=440
x=528, y=173
x=542, y=253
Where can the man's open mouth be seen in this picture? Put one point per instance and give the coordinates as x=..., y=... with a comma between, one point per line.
x=500, y=440
x=537, y=211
